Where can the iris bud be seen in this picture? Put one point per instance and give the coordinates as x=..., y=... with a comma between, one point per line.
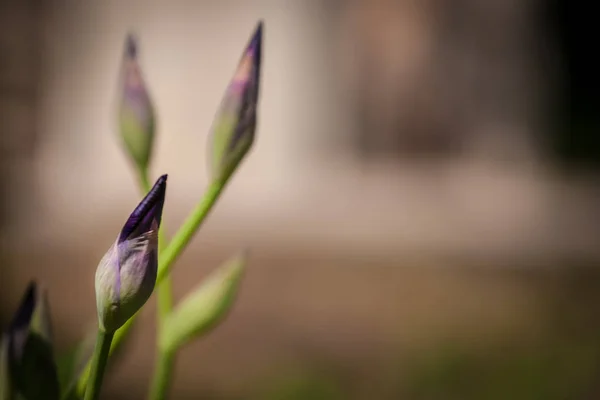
x=235, y=121
x=126, y=275
x=136, y=112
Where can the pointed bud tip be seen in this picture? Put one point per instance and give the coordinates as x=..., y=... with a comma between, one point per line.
x=149, y=209
x=255, y=45
x=158, y=191
x=26, y=307
x=32, y=287
x=258, y=33
x=155, y=196
x=162, y=180
x=131, y=46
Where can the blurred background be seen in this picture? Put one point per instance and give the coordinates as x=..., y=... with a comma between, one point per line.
x=422, y=201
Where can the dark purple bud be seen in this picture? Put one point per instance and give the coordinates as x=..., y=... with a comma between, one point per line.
x=148, y=211
x=32, y=368
x=126, y=275
x=131, y=47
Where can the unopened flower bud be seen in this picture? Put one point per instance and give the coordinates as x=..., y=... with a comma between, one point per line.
x=31, y=365
x=136, y=113
x=235, y=122
x=126, y=275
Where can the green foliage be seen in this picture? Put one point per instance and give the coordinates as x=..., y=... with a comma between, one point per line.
x=204, y=307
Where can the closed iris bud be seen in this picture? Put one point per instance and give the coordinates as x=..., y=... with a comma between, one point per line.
x=28, y=364
x=136, y=112
x=235, y=122
x=126, y=275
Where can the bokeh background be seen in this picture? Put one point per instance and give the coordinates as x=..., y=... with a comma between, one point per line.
x=422, y=201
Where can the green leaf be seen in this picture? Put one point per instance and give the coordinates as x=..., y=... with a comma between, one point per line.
x=35, y=373
x=72, y=364
x=205, y=307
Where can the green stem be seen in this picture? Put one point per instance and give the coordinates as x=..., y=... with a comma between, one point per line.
x=163, y=370
x=99, y=359
x=165, y=360
x=188, y=229
x=118, y=338
x=162, y=375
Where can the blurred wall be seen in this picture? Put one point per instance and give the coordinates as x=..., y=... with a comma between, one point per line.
x=20, y=72
x=387, y=127
x=338, y=78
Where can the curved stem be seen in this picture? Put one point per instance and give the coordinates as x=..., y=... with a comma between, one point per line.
x=163, y=371
x=99, y=359
x=165, y=360
x=188, y=229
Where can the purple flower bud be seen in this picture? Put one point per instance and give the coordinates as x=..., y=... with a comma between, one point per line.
x=31, y=366
x=136, y=113
x=126, y=274
x=235, y=122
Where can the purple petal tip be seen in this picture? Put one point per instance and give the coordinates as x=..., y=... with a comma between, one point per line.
x=255, y=45
x=26, y=308
x=131, y=46
x=149, y=210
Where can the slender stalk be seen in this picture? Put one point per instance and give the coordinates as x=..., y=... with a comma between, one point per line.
x=117, y=338
x=161, y=381
x=188, y=229
x=165, y=360
x=99, y=359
